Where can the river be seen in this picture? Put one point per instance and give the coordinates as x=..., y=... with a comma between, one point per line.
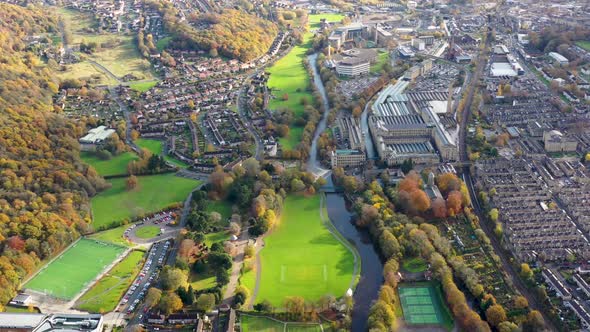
x=371, y=271
x=313, y=164
x=371, y=276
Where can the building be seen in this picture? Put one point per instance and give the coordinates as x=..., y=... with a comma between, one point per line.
x=582, y=284
x=560, y=59
x=581, y=312
x=95, y=137
x=354, y=62
x=21, y=300
x=350, y=131
x=555, y=141
x=345, y=34
x=556, y=284
x=406, y=52
x=347, y=158
x=33, y=322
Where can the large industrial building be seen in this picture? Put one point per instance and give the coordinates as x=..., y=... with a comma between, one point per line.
x=406, y=125
x=33, y=322
x=353, y=62
x=95, y=138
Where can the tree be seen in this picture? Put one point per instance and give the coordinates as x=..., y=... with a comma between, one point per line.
x=381, y=315
x=205, y=302
x=508, y=326
x=454, y=202
x=169, y=303
x=493, y=214
x=439, y=208
x=295, y=305
x=252, y=167
x=172, y=278
x=234, y=228
x=131, y=182
x=264, y=306
x=520, y=302
x=525, y=271
x=496, y=315
x=153, y=297
x=419, y=200
x=534, y=321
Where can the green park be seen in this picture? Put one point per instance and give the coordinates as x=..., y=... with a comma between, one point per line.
x=301, y=257
x=107, y=292
x=70, y=272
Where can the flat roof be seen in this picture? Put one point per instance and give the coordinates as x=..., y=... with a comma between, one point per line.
x=502, y=69
x=20, y=320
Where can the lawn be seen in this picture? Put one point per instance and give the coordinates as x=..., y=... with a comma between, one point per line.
x=289, y=77
x=143, y=86
x=201, y=281
x=114, y=235
x=585, y=44
x=162, y=43
x=216, y=237
x=264, y=324
x=301, y=257
x=423, y=304
x=153, y=193
x=414, y=264
x=157, y=147
x=147, y=232
x=86, y=71
x=106, y=293
x=314, y=19
x=117, y=165
x=382, y=58
x=67, y=275
x=222, y=207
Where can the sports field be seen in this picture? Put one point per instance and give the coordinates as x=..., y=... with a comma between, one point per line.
x=301, y=257
x=263, y=324
x=67, y=275
x=117, y=165
x=422, y=304
x=289, y=76
x=153, y=193
x=106, y=293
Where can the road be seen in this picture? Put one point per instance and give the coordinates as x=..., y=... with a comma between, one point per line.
x=241, y=101
x=504, y=255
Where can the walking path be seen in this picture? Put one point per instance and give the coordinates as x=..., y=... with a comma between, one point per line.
x=236, y=269
x=258, y=267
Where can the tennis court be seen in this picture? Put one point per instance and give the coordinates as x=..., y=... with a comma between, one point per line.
x=422, y=305
x=70, y=272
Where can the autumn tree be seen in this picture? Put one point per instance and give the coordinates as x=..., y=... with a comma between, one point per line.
x=419, y=201
x=131, y=182
x=439, y=208
x=152, y=297
x=496, y=315
x=169, y=303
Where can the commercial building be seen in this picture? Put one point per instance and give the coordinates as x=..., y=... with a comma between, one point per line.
x=33, y=322
x=95, y=137
x=555, y=141
x=354, y=62
x=559, y=58
x=348, y=158
x=406, y=125
x=347, y=33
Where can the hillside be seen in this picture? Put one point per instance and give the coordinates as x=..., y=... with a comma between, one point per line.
x=43, y=184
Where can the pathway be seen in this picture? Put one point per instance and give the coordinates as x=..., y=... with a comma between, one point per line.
x=236, y=269
x=258, y=268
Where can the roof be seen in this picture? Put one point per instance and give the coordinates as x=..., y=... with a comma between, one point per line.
x=502, y=69
x=348, y=152
x=558, y=57
x=20, y=320
x=97, y=135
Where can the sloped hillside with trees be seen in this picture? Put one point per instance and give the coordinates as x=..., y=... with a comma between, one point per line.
x=234, y=34
x=43, y=185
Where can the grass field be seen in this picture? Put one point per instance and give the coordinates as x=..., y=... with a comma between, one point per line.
x=106, y=293
x=289, y=76
x=162, y=43
x=117, y=165
x=157, y=147
x=143, y=86
x=86, y=71
x=222, y=207
x=423, y=304
x=206, y=280
x=72, y=270
x=585, y=44
x=147, y=232
x=414, y=264
x=264, y=324
x=382, y=58
x=301, y=257
x=153, y=193
x=114, y=235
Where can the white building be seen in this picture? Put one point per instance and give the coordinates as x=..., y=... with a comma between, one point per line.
x=559, y=58
x=95, y=137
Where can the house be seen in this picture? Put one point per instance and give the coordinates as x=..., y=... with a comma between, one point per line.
x=95, y=137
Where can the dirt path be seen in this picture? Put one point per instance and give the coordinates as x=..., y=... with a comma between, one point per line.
x=258, y=267
x=241, y=244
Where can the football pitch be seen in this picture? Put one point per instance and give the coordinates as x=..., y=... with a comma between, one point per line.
x=422, y=304
x=70, y=272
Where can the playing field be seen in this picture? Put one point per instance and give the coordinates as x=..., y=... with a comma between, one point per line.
x=153, y=193
x=106, y=293
x=263, y=324
x=156, y=147
x=301, y=257
x=288, y=76
x=422, y=304
x=67, y=275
